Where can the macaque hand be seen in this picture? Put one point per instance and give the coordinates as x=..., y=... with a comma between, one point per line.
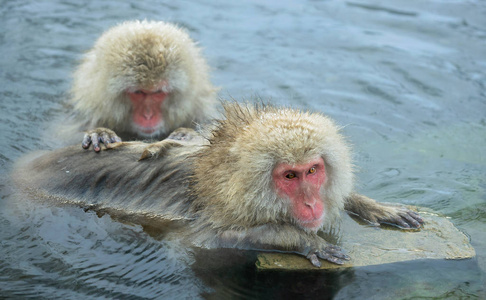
x=330, y=253
x=182, y=134
x=99, y=135
x=399, y=216
x=155, y=150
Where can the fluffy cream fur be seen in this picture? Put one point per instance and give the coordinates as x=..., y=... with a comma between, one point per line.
x=234, y=176
x=141, y=54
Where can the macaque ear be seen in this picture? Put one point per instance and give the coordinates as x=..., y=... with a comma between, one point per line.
x=158, y=149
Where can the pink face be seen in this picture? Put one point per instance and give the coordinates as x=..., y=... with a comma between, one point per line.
x=147, y=108
x=302, y=184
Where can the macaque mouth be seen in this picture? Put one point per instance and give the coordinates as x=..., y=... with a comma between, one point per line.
x=149, y=131
x=312, y=224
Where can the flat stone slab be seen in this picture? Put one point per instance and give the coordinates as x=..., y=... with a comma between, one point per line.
x=367, y=245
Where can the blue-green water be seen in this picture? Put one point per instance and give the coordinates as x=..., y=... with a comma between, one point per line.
x=407, y=79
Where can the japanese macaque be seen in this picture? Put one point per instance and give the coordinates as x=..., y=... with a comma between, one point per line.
x=263, y=178
x=142, y=80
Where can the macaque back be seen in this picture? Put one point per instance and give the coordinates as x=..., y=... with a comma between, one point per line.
x=114, y=180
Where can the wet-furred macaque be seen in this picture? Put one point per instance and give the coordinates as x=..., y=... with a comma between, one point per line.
x=140, y=81
x=263, y=178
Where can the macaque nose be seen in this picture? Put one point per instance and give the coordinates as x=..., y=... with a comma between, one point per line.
x=311, y=203
x=148, y=113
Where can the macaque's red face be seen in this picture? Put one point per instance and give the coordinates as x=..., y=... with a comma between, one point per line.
x=302, y=185
x=147, y=109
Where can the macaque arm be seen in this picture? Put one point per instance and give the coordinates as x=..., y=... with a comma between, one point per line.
x=281, y=238
x=379, y=213
x=110, y=139
x=99, y=135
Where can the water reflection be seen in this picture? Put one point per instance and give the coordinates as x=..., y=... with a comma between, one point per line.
x=68, y=249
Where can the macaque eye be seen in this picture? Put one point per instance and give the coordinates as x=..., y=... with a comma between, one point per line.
x=312, y=170
x=290, y=176
x=138, y=92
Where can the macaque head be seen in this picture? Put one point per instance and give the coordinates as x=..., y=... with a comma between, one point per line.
x=269, y=165
x=147, y=78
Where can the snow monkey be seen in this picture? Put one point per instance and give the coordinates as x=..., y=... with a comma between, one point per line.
x=261, y=178
x=142, y=80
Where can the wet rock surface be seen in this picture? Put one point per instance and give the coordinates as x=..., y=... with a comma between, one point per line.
x=368, y=245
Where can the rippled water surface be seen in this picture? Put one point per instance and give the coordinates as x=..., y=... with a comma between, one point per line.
x=407, y=79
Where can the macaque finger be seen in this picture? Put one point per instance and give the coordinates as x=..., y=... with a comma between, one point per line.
x=406, y=219
x=416, y=216
x=395, y=219
x=105, y=138
x=96, y=142
x=86, y=141
x=116, y=139
x=413, y=219
x=401, y=223
x=339, y=253
x=314, y=260
x=100, y=135
x=336, y=252
x=331, y=253
x=181, y=134
x=332, y=256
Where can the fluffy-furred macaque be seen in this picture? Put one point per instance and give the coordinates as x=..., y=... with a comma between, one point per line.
x=141, y=80
x=263, y=178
